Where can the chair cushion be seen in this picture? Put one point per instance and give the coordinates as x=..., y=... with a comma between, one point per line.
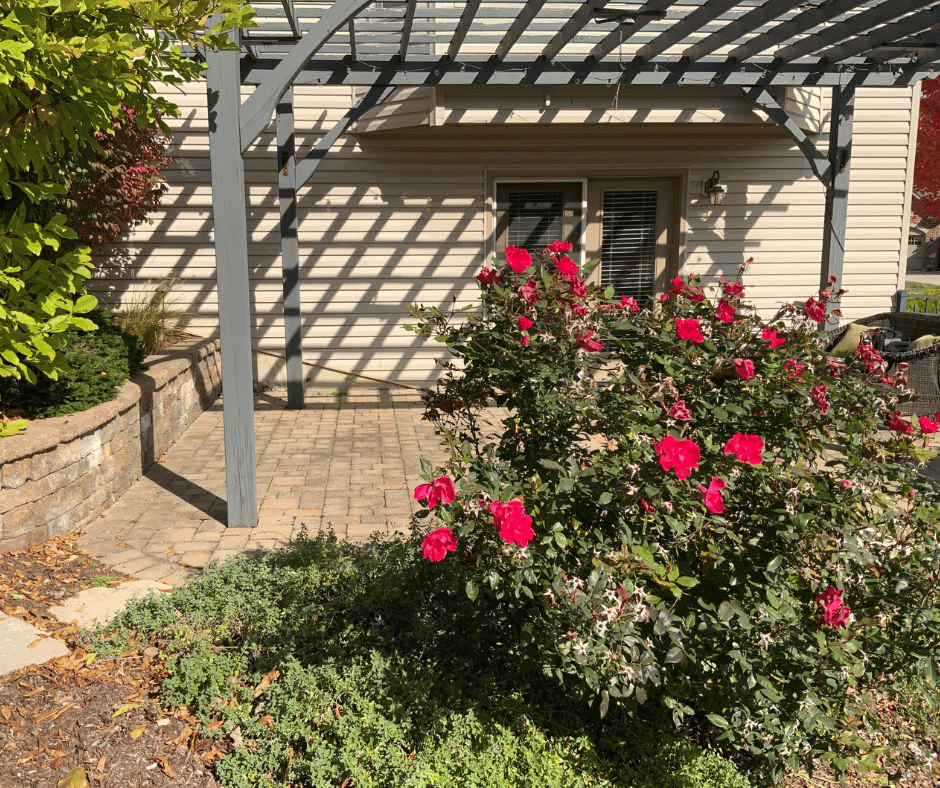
x=922, y=343
x=846, y=347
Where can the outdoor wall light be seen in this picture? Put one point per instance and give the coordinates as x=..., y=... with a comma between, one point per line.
x=713, y=189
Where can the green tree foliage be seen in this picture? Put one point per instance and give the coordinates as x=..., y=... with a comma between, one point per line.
x=66, y=68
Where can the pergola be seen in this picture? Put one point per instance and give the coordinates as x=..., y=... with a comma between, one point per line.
x=380, y=46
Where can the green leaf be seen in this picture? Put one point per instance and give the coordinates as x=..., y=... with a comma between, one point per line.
x=717, y=720
x=473, y=590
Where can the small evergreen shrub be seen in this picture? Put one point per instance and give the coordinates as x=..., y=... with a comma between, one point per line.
x=687, y=506
x=99, y=362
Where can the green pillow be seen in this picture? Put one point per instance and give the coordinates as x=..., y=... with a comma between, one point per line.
x=922, y=343
x=846, y=347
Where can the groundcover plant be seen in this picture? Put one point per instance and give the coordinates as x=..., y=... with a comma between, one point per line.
x=688, y=506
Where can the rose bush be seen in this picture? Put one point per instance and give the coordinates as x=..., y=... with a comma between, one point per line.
x=689, y=505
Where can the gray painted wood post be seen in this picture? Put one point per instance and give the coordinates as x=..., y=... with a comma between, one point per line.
x=837, y=191
x=290, y=254
x=231, y=261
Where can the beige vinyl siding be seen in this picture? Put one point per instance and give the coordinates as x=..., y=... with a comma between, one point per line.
x=397, y=216
x=805, y=106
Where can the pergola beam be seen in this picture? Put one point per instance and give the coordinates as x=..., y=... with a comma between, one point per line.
x=406, y=29
x=519, y=25
x=852, y=27
x=652, y=10
x=683, y=28
x=572, y=27
x=738, y=28
x=463, y=27
x=910, y=25
x=793, y=27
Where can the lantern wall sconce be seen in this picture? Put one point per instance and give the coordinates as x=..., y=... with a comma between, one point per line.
x=713, y=189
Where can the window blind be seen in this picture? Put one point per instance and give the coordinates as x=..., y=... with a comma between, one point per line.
x=628, y=243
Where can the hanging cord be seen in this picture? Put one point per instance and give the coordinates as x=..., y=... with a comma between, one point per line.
x=340, y=371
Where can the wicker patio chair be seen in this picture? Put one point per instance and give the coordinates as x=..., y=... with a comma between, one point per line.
x=925, y=364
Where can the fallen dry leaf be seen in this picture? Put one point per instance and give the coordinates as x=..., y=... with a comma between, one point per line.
x=74, y=779
x=266, y=682
x=138, y=731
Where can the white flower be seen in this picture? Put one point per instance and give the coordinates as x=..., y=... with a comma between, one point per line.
x=639, y=593
x=764, y=640
x=627, y=672
x=601, y=627
x=549, y=594
x=581, y=648
x=610, y=612
x=610, y=656
x=574, y=584
x=612, y=596
x=641, y=612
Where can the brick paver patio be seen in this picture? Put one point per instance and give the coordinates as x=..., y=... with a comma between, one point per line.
x=346, y=464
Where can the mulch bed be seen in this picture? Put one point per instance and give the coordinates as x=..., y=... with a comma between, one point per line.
x=79, y=721
x=83, y=722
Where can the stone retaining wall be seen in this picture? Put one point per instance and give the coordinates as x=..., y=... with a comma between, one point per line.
x=63, y=472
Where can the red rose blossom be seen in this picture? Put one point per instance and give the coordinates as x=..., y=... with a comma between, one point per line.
x=928, y=425
x=770, y=337
x=898, y=424
x=815, y=310
x=435, y=545
x=587, y=343
x=836, y=614
x=712, y=495
x=679, y=411
x=439, y=491
x=747, y=448
x=514, y=525
x=744, y=367
x=518, y=259
x=524, y=323
x=566, y=266
x=689, y=328
x=683, y=455
x=628, y=302
x=794, y=370
x=725, y=312
x=560, y=246
x=487, y=276
x=529, y=292
x=735, y=289
x=818, y=395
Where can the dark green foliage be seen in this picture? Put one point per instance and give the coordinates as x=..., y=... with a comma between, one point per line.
x=373, y=665
x=99, y=363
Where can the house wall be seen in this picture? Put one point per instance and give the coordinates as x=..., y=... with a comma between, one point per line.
x=399, y=215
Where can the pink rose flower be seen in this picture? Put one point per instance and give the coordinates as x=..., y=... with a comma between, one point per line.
x=898, y=424
x=682, y=455
x=435, y=545
x=525, y=340
x=679, y=411
x=734, y=289
x=529, y=292
x=579, y=310
x=744, y=367
x=664, y=297
x=835, y=366
x=524, y=323
x=649, y=509
x=587, y=343
x=712, y=495
x=770, y=337
x=835, y=613
x=689, y=329
x=928, y=425
x=514, y=525
x=628, y=302
x=518, y=259
x=566, y=266
x=578, y=290
x=818, y=395
x=747, y=448
x=725, y=312
x=487, y=276
x=560, y=246
x=870, y=356
x=794, y=370
x=815, y=310
x=439, y=491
